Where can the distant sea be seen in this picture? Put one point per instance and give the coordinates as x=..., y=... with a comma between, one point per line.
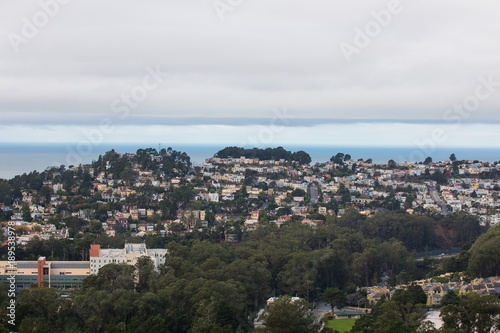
x=16, y=159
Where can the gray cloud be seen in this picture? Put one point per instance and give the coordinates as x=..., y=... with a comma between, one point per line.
x=265, y=54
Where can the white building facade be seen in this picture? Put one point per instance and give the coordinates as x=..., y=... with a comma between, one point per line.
x=129, y=255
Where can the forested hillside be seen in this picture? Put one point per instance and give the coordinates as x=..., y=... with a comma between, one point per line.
x=208, y=285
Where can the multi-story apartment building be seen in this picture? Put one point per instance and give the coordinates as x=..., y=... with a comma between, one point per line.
x=128, y=255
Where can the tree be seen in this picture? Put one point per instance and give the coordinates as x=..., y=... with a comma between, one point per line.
x=338, y=158
x=450, y=298
x=485, y=254
x=285, y=315
x=37, y=309
x=146, y=275
x=392, y=316
x=26, y=212
x=111, y=277
x=414, y=295
x=5, y=192
x=298, y=192
x=428, y=160
x=453, y=158
x=302, y=157
x=45, y=193
x=356, y=299
x=254, y=277
x=299, y=274
x=474, y=313
x=392, y=164
x=335, y=297
x=284, y=211
x=402, y=277
x=365, y=266
x=128, y=175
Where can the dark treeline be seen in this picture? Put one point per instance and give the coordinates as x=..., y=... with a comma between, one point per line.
x=211, y=286
x=415, y=232
x=265, y=154
x=485, y=254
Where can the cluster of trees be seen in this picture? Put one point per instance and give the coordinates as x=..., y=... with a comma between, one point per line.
x=470, y=313
x=286, y=315
x=340, y=158
x=208, y=285
x=265, y=154
x=485, y=254
x=416, y=232
x=405, y=312
x=170, y=161
x=478, y=259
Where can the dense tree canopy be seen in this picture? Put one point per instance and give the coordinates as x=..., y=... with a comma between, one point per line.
x=485, y=254
x=287, y=316
x=473, y=313
x=402, y=313
x=209, y=285
x=265, y=154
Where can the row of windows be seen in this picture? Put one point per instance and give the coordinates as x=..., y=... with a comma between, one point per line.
x=65, y=277
x=111, y=261
x=13, y=272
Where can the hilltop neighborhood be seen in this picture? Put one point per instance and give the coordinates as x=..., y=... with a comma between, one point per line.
x=243, y=189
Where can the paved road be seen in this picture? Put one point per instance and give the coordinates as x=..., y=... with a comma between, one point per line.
x=314, y=194
x=433, y=317
x=321, y=310
x=435, y=196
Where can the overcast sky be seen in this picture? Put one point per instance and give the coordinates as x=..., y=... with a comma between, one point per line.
x=251, y=72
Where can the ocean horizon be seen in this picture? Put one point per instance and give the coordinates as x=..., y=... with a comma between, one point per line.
x=19, y=158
